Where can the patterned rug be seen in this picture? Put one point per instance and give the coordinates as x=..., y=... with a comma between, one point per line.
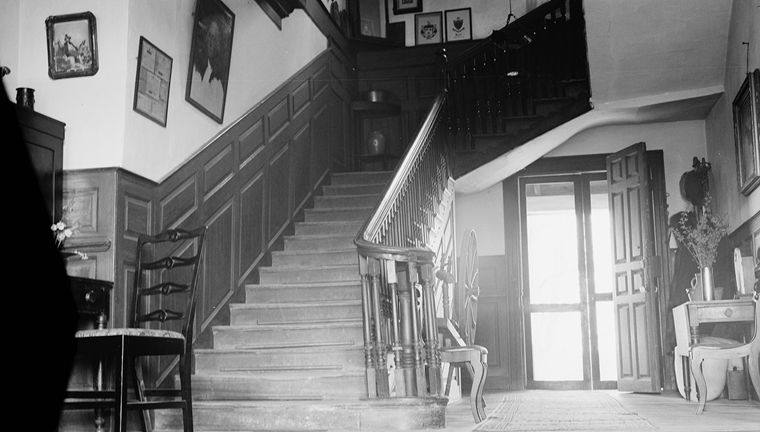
x=537, y=410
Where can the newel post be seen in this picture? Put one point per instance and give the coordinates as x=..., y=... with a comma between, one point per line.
x=367, y=327
x=431, y=327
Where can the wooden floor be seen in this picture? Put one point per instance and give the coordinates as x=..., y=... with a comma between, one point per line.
x=667, y=412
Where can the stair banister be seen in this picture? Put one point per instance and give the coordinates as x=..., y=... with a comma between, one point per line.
x=396, y=266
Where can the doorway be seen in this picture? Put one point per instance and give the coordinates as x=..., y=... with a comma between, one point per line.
x=567, y=286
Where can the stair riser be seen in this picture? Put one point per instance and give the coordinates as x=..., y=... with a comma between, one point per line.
x=347, y=257
x=283, y=275
x=247, y=362
x=218, y=388
x=345, y=201
x=262, y=294
x=318, y=244
x=332, y=190
x=265, y=316
x=344, y=228
x=359, y=178
x=231, y=338
x=393, y=415
x=336, y=215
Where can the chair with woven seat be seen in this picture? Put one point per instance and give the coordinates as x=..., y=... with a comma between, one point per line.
x=474, y=358
x=751, y=350
x=162, y=315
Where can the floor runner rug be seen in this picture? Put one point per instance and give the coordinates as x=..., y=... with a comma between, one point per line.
x=540, y=410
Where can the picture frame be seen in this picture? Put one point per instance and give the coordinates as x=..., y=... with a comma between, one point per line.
x=428, y=28
x=72, y=45
x=746, y=106
x=401, y=7
x=458, y=24
x=152, y=82
x=210, y=55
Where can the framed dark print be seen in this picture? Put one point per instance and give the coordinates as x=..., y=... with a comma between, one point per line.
x=458, y=25
x=406, y=6
x=428, y=28
x=72, y=45
x=210, y=54
x=746, y=132
x=154, y=73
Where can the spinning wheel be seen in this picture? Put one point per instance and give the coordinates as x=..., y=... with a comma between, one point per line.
x=470, y=287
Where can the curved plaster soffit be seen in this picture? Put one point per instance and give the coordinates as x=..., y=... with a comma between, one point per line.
x=674, y=106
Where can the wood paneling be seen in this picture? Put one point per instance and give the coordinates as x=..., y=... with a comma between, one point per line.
x=492, y=315
x=242, y=186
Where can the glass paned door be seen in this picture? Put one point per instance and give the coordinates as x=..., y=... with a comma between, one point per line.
x=569, y=325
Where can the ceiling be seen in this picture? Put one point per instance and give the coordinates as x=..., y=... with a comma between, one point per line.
x=648, y=47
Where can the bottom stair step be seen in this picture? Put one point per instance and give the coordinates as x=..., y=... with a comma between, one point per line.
x=397, y=414
x=304, y=385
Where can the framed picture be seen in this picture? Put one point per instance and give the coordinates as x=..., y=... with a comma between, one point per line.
x=458, y=24
x=746, y=132
x=72, y=45
x=406, y=6
x=428, y=28
x=154, y=73
x=210, y=53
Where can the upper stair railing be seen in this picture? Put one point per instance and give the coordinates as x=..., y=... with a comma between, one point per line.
x=396, y=265
x=505, y=75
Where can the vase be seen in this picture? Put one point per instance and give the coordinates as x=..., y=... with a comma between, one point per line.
x=708, y=284
x=25, y=97
x=376, y=143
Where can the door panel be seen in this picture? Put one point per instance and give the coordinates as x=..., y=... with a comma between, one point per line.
x=635, y=296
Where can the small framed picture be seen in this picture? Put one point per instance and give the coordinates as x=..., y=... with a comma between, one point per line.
x=154, y=73
x=428, y=28
x=210, y=55
x=746, y=109
x=406, y=6
x=72, y=45
x=459, y=25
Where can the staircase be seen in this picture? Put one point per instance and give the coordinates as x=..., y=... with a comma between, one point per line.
x=292, y=358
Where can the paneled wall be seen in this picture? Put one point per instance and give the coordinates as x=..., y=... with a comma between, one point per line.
x=247, y=187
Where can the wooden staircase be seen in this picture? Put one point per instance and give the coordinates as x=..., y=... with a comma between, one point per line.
x=292, y=357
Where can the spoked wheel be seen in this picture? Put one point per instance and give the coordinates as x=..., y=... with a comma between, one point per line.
x=470, y=286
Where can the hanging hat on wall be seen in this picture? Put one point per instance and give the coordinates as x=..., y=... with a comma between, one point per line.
x=695, y=184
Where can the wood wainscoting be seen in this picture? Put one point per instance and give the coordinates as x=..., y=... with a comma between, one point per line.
x=248, y=185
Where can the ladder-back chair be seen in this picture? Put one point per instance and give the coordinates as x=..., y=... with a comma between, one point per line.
x=162, y=315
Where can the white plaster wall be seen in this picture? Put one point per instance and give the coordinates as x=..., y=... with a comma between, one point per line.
x=721, y=150
x=92, y=107
x=482, y=212
x=9, y=20
x=263, y=57
x=487, y=15
x=680, y=141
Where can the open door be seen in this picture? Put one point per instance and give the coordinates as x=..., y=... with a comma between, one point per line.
x=635, y=270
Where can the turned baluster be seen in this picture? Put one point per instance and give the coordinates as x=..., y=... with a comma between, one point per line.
x=419, y=367
x=369, y=363
x=381, y=369
x=431, y=326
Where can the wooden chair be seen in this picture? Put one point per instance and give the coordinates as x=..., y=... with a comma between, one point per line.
x=155, y=299
x=470, y=356
x=751, y=350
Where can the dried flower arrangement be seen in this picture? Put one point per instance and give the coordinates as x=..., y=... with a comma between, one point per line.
x=701, y=238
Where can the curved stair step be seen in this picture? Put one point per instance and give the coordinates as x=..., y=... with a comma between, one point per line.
x=303, y=292
x=217, y=360
x=272, y=313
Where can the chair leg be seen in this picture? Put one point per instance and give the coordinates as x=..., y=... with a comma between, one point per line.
x=481, y=385
x=120, y=394
x=449, y=378
x=699, y=382
x=187, y=395
x=139, y=384
x=754, y=373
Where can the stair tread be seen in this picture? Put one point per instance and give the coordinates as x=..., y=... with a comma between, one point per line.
x=321, y=303
x=331, y=402
x=277, y=376
x=302, y=350
x=292, y=267
x=318, y=236
x=321, y=284
x=325, y=325
x=312, y=252
x=340, y=197
x=332, y=209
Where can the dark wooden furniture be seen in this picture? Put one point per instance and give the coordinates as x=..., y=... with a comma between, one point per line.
x=43, y=137
x=167, y=264
x=368, y=117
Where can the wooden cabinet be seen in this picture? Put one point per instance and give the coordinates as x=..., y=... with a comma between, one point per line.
x=44, y=140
